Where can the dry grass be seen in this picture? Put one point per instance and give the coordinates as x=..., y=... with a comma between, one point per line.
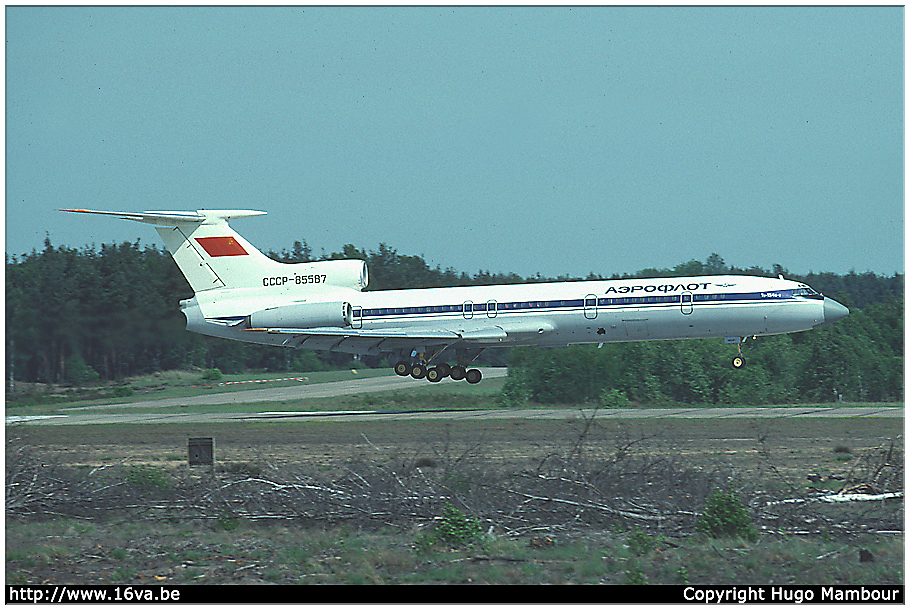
x=579, y=501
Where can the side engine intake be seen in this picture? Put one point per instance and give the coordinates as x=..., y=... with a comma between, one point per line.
x=303, y=315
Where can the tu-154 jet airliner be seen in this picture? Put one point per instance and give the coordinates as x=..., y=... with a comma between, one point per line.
x=242, y=294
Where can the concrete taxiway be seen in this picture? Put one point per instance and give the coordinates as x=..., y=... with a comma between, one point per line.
x=91, y=415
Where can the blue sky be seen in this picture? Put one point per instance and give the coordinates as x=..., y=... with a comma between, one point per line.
x=549, y=140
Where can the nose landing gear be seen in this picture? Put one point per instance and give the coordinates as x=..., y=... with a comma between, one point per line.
x=739, y=361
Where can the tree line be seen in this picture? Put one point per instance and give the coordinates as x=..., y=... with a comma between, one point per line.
x=78, y=315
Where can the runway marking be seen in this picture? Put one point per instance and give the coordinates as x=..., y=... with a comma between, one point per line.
x=210, y=385
x=18, y=419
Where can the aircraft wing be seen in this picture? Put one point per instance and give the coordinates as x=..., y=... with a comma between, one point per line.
x=388, y=333
x=391, y=339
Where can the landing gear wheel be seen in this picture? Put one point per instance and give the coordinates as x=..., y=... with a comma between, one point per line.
x=444, y=369
x=473, y=376
x=403, y=368
x=418, y=371
x=739, y=362
x=434, y=375
x=457, y=373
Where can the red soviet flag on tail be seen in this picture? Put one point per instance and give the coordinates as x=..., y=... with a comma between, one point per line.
x=221, y=246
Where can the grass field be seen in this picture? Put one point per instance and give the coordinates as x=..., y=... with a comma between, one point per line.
x=579, y=500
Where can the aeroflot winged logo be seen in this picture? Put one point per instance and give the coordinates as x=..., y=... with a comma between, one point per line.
x=221, y=246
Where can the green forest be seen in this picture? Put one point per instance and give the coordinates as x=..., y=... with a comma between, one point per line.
x=84, y=315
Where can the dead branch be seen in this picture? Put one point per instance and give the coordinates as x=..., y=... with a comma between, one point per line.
x=841, y=497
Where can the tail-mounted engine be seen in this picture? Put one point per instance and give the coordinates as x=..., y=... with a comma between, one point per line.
x=303, y=315
x=322, y=274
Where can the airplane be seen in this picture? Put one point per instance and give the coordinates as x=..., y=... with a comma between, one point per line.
x=242, y=294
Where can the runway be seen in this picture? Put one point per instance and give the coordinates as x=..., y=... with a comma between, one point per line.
x=91, y=415
x=464, y=415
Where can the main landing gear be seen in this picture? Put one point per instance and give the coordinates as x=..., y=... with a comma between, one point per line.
x=421, y=369
x=435, y=374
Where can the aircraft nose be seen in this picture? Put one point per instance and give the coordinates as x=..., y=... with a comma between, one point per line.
x=834, y=311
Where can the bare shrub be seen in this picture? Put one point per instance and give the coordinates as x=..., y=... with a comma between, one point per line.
x=868, y=498
x=36, y=489
x=606, y=476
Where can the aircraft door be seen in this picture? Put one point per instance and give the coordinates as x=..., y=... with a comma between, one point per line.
x=591, y=307
x=491, y=309
x=685, y=302
x=356, y=316
x=467, y=310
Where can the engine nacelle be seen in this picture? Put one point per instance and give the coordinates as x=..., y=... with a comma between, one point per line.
x=303, y=315
x=348, y=273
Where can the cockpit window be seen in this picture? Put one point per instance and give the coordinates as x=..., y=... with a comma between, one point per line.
x=805, y=291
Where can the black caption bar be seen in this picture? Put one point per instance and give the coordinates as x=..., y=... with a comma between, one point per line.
x=645, y=594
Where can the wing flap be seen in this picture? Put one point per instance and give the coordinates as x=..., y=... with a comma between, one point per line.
x=526, y=327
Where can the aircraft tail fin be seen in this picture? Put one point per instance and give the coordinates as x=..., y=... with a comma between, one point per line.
x=209, y=253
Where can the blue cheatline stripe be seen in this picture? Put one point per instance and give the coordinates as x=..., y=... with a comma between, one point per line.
x=569, y=304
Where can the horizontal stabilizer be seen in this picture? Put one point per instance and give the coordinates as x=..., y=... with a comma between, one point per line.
x=173, y=219
x=210, y=254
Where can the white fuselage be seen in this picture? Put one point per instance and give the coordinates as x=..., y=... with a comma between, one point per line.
x=562, y=313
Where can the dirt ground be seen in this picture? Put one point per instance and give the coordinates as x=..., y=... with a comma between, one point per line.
x=397, y=474
x=795, y=447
